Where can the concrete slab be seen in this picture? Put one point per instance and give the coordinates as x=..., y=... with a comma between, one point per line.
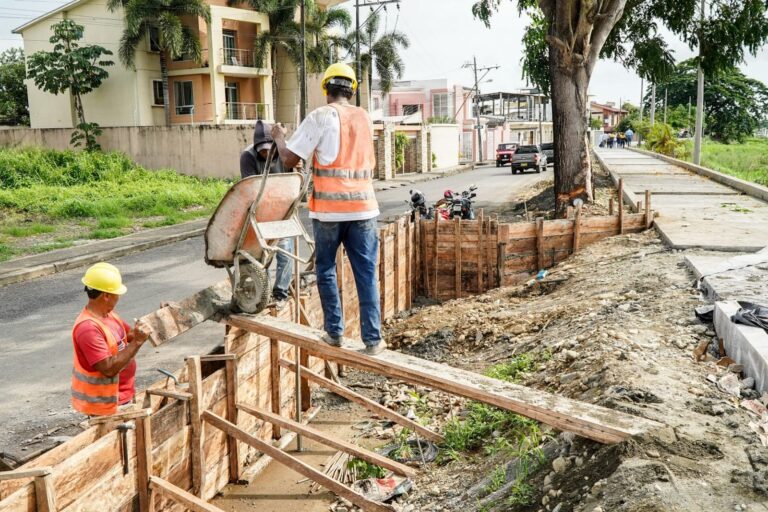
x=671, y=184
x=652, y=170
x=746, y=345
x=737, y=278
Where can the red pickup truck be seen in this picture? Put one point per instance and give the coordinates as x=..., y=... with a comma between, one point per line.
x=504, y=153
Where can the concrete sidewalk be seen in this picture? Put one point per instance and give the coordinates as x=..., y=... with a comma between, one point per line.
x=693, y=211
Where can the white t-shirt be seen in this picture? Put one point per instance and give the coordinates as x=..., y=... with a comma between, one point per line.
x=320, y=134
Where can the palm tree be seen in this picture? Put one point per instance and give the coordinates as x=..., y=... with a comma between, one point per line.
x=174, y=38
x=382, y=53
x=284, y=34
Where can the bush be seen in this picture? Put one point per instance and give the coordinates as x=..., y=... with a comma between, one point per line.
x=661, y=138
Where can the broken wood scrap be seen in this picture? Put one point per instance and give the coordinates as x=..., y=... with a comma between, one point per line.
x=601, y=424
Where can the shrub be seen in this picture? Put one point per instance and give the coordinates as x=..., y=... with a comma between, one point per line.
x=661, y=138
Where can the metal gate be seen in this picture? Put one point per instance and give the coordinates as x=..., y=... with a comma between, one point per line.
x=465, y=147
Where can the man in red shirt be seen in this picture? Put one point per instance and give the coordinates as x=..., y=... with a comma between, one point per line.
x=105, y=346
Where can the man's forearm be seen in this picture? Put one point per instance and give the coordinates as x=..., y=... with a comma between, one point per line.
x=289, y=158
x=113, y=365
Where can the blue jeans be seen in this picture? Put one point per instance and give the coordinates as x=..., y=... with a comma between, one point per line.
x=284, y=271
x=361, y=241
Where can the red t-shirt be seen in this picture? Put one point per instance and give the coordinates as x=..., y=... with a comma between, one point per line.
x=91, y=347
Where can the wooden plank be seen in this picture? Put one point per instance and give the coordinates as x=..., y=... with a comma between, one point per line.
x=297, y=465
x=320, y=437
x=480, y=225
x=45, y=495
x=306, y=393
x=194, y=373
x=177, y=318
x=457, y=257
x=372, y=406
x=409, y=278
x=648, y=216
x=435, y=291
x=540, y=242
x=398, y=266
x=166, y=393
x=611, y=207
x=340, y=279
x=217, y=357
x=144, y=463
x=621, y=206
x=234, y=458
x=383, y=271
x=25, y=473
x=598, y=423
x=119, y=417
x=274, y=373
x=577, y=229
x=181, y=496
x=502, y=235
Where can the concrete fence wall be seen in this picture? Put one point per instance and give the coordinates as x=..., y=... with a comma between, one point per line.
x=445, y=144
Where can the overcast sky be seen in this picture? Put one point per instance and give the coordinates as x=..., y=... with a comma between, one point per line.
x=443, y=35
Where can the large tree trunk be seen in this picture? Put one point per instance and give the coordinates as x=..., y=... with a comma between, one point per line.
x=166, y=99
x=573, y=174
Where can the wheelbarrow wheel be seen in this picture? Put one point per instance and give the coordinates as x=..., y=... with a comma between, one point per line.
x=252, y=292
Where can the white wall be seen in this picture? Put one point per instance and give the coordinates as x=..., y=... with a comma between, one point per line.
x=445, y=144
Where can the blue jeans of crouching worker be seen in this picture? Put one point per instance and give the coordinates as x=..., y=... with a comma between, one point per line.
x=361, y=241
x=284, y=270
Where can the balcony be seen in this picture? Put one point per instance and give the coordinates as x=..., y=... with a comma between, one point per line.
x=237, y=113
x=241, y=63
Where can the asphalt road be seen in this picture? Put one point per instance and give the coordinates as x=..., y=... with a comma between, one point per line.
x=36, y=316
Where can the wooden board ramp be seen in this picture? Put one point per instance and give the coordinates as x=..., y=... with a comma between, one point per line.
x=601, y=424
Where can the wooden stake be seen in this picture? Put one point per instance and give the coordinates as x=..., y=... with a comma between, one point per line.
x=295, y=464
x=648, y=216
x=398, y=266
x=234, y=456
x=457, y=256
x=639, y=206
x=409, y=281
x=418, y=276
x=165, y=393
x=621, y=206
x=144, y=463
x=383, y=233
x=436, y=294
x=540, y=243
x=340, y=278
x=316, y=435
x=372, y=406
x=181, y=496
x=195, y=375
x=480, y=250
x=45, y=495
x=611, y=206
x=25, y=473
x=577, y=229
x=274, y=377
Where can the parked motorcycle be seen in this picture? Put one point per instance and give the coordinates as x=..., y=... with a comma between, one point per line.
x=461, y=204
x=418, y=203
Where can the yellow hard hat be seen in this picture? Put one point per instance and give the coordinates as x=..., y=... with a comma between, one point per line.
x=339, y=70
x=104, y=278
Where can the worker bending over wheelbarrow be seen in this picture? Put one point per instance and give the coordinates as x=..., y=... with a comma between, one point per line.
x=343, y=208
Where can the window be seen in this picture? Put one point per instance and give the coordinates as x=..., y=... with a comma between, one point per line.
x=440, y=105
x=153, y=36
x=157, y=93
x=183, y=99
x=409, y=110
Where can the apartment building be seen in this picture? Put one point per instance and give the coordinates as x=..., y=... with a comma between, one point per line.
x=608, y=114
x=228, y=85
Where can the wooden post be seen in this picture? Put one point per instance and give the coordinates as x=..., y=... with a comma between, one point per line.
x=611, y=206
x=418, y=277
x=576, y=229
x=234, y=456
x=45, y=496
x=306, y=393
x=408, y=263
x=340, y=278
x=540, y=243
x=383, y=233
x=398, y=266
x=197, y=455
x=648, y=217
x=144, y=463
x=621, y=206
x=457, y=256
x=435, y=259
x=639, y=206
x=274, y=377
x=480, y=250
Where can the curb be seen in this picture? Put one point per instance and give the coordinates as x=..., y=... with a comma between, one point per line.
x=747, y=187
x=68, y=263
x=427, y=176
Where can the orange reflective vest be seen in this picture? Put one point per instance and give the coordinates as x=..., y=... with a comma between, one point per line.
x=92, y=392
x=346, y=185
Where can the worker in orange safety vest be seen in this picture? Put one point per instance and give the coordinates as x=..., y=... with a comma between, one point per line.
x=104, y=368
x=338, y=138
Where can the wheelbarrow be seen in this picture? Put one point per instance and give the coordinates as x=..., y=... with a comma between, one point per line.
x=243, y=233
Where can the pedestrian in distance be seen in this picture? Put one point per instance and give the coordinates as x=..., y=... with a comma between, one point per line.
x=253, y=162
x=343, y=208
x=629, y=134
x=105, y=347
x=611, y=140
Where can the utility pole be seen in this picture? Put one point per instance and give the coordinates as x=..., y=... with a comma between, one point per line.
x=699, y=96
x=666, y=92
x=303, y=85
x=642, y=97
x=688, y=117
x=477, y=102
x=541, y=111
x=358, y=64
x=653, y=104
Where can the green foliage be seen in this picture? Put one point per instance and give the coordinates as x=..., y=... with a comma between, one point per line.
x=535, y=58
x=14, y=105
x=27, y=230
x=748, y=160
x=434, y=161
x=522, y=495
x=6, y=252
x=74, y=68
x=512, y=370
x=103, y=234
x=735, y=106
x=595, y=123
x=401, y=141
x=441, y=120
x=498, y=478
x=662, y=139
x=381, y=52
x=362, y=469
x=113, y=223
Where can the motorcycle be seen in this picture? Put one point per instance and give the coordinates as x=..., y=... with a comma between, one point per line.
x=418, y=203
x=461, y=204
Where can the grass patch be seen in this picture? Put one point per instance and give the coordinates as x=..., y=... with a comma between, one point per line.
x=50, y=247
x=6, y=252
x=113, y=223
x=104, y=234
x=522, y=495
x=27, y=230
x=363, y=469
x=513, y=370
x=748, y=160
